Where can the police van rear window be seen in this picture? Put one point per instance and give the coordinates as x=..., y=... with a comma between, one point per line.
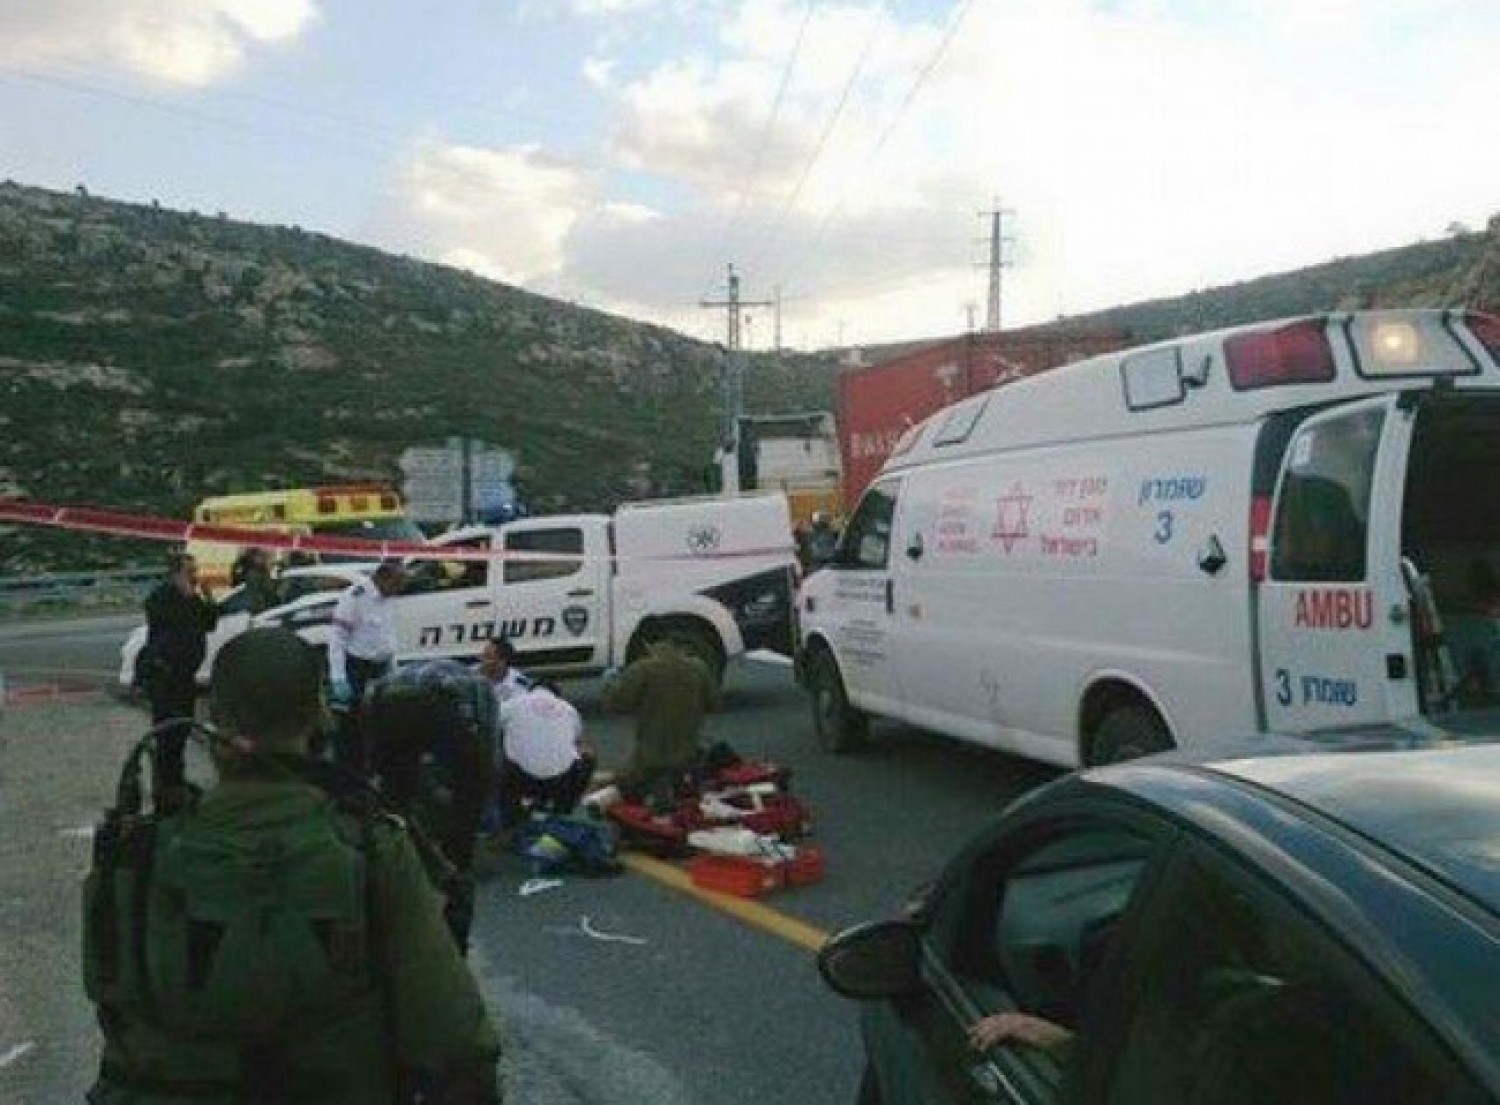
x=960, y=423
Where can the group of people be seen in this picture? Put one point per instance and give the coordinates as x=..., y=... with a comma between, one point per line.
x=282, y=936
x=298, y=931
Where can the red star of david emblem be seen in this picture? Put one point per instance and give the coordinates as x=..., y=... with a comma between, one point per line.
x=1012, y=525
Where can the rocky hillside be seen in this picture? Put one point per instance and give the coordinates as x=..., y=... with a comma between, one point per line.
x=151, y=357
x=1459, y=271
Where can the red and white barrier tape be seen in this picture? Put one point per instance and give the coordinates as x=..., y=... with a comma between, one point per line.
x=114, y=523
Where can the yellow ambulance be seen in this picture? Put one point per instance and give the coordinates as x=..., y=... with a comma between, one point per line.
x=371, y=511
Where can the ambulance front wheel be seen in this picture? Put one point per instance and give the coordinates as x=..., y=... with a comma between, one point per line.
x=1128, y=733
x=839, y=726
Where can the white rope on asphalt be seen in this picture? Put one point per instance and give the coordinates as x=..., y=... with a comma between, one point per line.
x=588, y=928
x=17, y=1052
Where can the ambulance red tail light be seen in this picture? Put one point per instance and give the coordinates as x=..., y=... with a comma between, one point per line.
x=1260, y=537
x=1295, y=354
x=1486, y=329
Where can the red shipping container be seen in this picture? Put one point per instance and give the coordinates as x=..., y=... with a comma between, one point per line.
x=877, y=404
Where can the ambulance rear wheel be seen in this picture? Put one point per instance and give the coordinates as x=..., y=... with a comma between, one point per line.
x=1128, y=733
x=838, y=726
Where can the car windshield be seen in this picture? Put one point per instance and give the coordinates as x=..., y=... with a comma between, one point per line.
x=368, y=529
x=1437, y=807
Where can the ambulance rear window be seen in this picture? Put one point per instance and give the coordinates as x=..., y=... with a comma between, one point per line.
x=1323, y=511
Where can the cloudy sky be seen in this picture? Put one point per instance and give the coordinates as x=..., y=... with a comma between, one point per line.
x=620, y=152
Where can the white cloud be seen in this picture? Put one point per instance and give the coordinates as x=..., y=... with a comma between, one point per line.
x=599, y=72
x=608, y=7
x=170, y=42
x=503, y=213
x=1149, y=147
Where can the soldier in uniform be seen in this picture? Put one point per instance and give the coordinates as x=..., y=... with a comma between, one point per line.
x=273, y=942
x=669, y=690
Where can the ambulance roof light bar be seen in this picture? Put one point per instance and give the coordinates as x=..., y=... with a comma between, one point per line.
x=1298, y=353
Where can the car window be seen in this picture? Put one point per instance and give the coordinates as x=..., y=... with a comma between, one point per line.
x=867, y=539
x=1244, y=999
x=1030, y=928
x=1323, y=510
x=562, y=540
x=426, y=576
x=292, y=588
x=1059, y=909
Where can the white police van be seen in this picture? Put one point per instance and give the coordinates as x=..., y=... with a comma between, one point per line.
x=571, y=591
x=1260, y=528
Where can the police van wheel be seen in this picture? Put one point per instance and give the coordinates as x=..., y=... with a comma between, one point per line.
x=839, y=726
x=1128, y=733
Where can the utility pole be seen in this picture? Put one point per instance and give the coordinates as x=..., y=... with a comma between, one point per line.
x=971, y=311
x=776, y=299
x=998, y=240
x=733, y=379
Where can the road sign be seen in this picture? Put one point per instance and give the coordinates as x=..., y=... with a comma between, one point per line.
x=434, y=484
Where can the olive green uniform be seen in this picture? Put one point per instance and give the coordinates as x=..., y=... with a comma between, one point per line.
x=351, y=1018
x=669, y=690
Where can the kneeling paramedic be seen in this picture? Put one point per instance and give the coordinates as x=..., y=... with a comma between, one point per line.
x=271, y=942
x=431, y=728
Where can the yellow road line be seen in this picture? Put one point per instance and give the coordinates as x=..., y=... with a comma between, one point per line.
x=808, y=937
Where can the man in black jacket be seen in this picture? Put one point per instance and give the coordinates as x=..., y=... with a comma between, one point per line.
x=179, y=616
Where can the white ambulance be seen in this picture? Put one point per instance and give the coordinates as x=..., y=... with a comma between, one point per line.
x=1264, y=528
x=571, y=591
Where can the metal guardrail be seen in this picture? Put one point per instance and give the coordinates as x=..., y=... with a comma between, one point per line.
x=76, y=588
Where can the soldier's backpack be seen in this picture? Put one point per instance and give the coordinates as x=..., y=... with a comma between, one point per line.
x=230, y=939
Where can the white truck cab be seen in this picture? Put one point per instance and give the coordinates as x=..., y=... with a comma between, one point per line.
x=1290, y=526
x=571, y=591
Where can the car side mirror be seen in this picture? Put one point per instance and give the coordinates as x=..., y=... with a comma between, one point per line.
x=882, y=959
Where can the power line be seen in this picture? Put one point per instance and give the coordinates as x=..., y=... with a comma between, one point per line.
x=787, y=205
x=763, y=145
x=913, y=90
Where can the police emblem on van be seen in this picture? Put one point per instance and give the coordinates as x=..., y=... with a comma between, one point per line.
x=704, y=539
x=575, y=619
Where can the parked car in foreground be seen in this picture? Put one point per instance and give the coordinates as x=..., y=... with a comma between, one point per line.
x=1279, y=921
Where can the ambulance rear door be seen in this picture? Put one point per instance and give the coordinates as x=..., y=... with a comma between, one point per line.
x=1334, y=615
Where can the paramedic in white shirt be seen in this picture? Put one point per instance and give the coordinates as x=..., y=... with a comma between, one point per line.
x=497, y=662
x=544, y=761
x=361, y=648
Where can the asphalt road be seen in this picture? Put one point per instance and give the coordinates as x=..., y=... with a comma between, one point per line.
x=618, y=990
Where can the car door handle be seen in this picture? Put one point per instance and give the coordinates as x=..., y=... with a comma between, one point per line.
x=581, y=593
x=478, y=604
